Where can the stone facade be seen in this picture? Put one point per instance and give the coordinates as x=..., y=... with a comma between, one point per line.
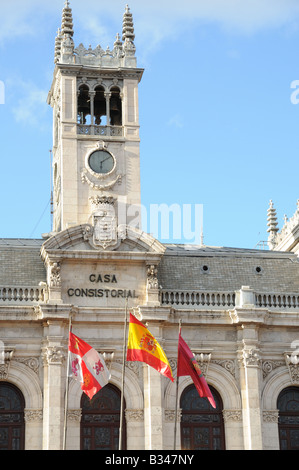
x=239, y=308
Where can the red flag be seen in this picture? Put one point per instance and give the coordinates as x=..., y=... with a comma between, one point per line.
x=87, y=366
x=187, y=365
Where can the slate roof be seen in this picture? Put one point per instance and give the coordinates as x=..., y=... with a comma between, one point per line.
x=185, y=267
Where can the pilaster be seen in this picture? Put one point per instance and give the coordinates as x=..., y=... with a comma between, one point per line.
x=54, y=354
x=250, y=381
x=153, y=404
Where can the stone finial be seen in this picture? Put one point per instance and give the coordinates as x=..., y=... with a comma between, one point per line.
x=67, y=32
x=57, y=51
x=272, y=226
x=128, y=26
x=67, y=20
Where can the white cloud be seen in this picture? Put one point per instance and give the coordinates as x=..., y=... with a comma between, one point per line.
x=176, y=121
x=154, y=20
x=29, y=103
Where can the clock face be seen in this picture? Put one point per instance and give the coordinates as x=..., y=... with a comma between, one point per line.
x=101, y=162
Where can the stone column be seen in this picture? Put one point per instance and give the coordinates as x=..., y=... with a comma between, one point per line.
x=107, y=96
x=135, y=429
x=92, y=95
x=153, y=408
x=250, y=381
x=54, y=355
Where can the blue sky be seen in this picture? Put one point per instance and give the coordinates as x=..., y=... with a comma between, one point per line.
x=218, y=126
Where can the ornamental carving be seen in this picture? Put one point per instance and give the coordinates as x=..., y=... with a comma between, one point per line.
x=53, y=355
x=270, y=416
x=134, y=415
x=269, y=365
x=232, y=415
x=31, y=362
x=251, y=357
x=5, y=364
x=152, y=277
x=292, y=362
x=228, y=364
x=33, y=416
x=74, y=415
x=170, y=415
x=55, y=279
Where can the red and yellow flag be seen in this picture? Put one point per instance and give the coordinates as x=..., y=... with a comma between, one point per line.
x=143, y=347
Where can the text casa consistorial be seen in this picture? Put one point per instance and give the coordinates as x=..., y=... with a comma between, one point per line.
x=107, y=291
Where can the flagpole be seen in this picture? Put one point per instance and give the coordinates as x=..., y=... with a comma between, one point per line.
x=176, y=393
x=123, y=378
x=67, y=386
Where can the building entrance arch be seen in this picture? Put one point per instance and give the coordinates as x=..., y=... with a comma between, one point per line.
x=202, y=426
x=288, y=419
x=12, y=424
x=100, y=420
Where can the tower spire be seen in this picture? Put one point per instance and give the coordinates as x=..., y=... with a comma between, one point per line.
x=272, y=226
x=128, y=26
x=128, y=37
x=67, y=20
x=66, y=52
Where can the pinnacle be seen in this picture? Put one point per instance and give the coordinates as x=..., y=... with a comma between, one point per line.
x=272, y=219
x=67, y=20
x=128, y=25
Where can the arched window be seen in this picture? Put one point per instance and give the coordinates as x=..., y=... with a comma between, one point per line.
x=12, y=424
x=115, y=107
x=288, y=418
x=84, y=112
x=202, y=426
x=100, y=108
x=101, y=420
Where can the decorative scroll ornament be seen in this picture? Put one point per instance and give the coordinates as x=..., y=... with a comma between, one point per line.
x=99, y=187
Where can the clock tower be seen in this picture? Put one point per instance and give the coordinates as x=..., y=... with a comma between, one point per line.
x=96, y=145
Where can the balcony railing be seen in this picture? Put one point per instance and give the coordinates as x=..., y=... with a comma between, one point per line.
x=225, y=299
x=112, y=131
x=188, y=298
x=16, y=295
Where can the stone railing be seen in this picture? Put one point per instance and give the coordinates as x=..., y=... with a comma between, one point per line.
x=186, y=298
x=244, y=298
x=112, y=131
x=23, y=294
x=277, y=300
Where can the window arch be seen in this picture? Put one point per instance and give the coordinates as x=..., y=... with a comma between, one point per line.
x=288, y=418
x=100, y=107
x=12, y=424
x=202, y=426
x=84, y=110
x=100, y=420
x=115, y=107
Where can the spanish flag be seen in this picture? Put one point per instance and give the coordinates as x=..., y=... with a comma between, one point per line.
x=143, y=347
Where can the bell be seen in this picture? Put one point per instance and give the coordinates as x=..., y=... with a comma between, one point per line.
x=114, y=106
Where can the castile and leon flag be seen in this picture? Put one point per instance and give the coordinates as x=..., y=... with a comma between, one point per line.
x=87, y=366
x=143, y=347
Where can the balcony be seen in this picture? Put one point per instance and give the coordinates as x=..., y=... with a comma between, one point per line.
x=105, y=131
